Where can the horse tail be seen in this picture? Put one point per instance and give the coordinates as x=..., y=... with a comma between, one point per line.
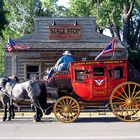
x=43, y=95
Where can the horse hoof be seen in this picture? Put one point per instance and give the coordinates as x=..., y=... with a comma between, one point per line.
x=34, y=120
x=13, y=116
x=3, y=119
x=9, y=119
x=37, y=120
x=48, y=111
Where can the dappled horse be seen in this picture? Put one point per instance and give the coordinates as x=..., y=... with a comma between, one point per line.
x=33, y=90
x=5, y=101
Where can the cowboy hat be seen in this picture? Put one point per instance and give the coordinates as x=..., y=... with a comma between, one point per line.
x=66, y=53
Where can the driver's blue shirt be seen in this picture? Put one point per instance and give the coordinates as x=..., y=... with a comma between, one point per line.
x=62, y=64
x=64, y=61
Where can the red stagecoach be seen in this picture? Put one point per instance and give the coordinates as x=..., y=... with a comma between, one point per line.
x=95, y=84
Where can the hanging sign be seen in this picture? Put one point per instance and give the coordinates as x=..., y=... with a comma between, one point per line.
x=64, y=31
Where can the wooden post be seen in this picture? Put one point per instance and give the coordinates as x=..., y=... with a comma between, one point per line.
x=14, y=64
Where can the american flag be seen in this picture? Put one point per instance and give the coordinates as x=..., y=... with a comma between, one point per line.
x=109, y=48
x=10, y=44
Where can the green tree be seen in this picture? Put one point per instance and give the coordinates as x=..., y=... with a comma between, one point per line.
x=51, y=8
x=20, y=16
x=3, y=20
x=116, y=15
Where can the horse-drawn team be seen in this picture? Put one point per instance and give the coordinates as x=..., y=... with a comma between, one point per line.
x=83, y=84
x=12, y=91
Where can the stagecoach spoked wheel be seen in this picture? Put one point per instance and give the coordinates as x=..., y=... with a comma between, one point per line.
x=125, y=101
x=66, y=109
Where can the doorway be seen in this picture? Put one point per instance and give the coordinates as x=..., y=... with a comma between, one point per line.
x=31, y=71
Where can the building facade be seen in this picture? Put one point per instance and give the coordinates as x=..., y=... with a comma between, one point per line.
x=52, y=36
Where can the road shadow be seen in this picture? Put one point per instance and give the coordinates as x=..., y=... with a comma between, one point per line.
x=97, y=119
x=28, y=120
x=44, y=120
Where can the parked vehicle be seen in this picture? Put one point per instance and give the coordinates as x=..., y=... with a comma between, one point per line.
x=96, y=84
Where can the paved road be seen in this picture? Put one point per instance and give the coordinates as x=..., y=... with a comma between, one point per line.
x=87, y=127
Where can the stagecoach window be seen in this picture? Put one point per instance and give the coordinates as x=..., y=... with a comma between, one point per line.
x=118, y=72
x=79, y=75
x=98, y=71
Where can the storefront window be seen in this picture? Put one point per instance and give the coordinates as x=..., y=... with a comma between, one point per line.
x=32, y=71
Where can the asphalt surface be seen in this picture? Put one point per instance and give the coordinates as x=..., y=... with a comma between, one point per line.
x=89, y=126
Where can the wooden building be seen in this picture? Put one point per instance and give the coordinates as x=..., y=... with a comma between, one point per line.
x=52, y=36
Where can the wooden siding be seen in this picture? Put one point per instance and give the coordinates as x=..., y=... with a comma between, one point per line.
x=8, y=66
x=45, y=52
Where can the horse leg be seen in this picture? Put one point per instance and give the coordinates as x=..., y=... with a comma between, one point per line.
x=5, y=112
x=4, y=101
x=38, y=115
x=35, y=102
x=11, y=112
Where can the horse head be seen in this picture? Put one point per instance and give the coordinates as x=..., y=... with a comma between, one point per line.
x=3, y=82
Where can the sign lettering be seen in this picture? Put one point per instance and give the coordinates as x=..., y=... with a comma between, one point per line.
x=65, y=31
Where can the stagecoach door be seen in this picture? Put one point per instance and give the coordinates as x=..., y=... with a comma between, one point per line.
x=99, y=81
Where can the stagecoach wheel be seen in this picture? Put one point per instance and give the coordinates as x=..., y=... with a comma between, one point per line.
x=125, y=101
x=66, y=109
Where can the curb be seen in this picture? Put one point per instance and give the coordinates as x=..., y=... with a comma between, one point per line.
x=82, y=114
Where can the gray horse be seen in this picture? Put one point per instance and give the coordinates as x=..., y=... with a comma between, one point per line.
x=5, y=101
x=33, y=90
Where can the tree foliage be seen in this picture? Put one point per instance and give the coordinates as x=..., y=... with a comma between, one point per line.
x=122, y=17
x=51, y=8
x=20, y=15
x=20, y=18
x=3, y=20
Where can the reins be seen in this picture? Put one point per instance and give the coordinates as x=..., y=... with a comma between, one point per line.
x=13, y=97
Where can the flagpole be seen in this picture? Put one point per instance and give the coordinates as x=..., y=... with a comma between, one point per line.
x=114, y=48
x=13, y=56
x=12, y=72
x=13, y=66
x=113, y=54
